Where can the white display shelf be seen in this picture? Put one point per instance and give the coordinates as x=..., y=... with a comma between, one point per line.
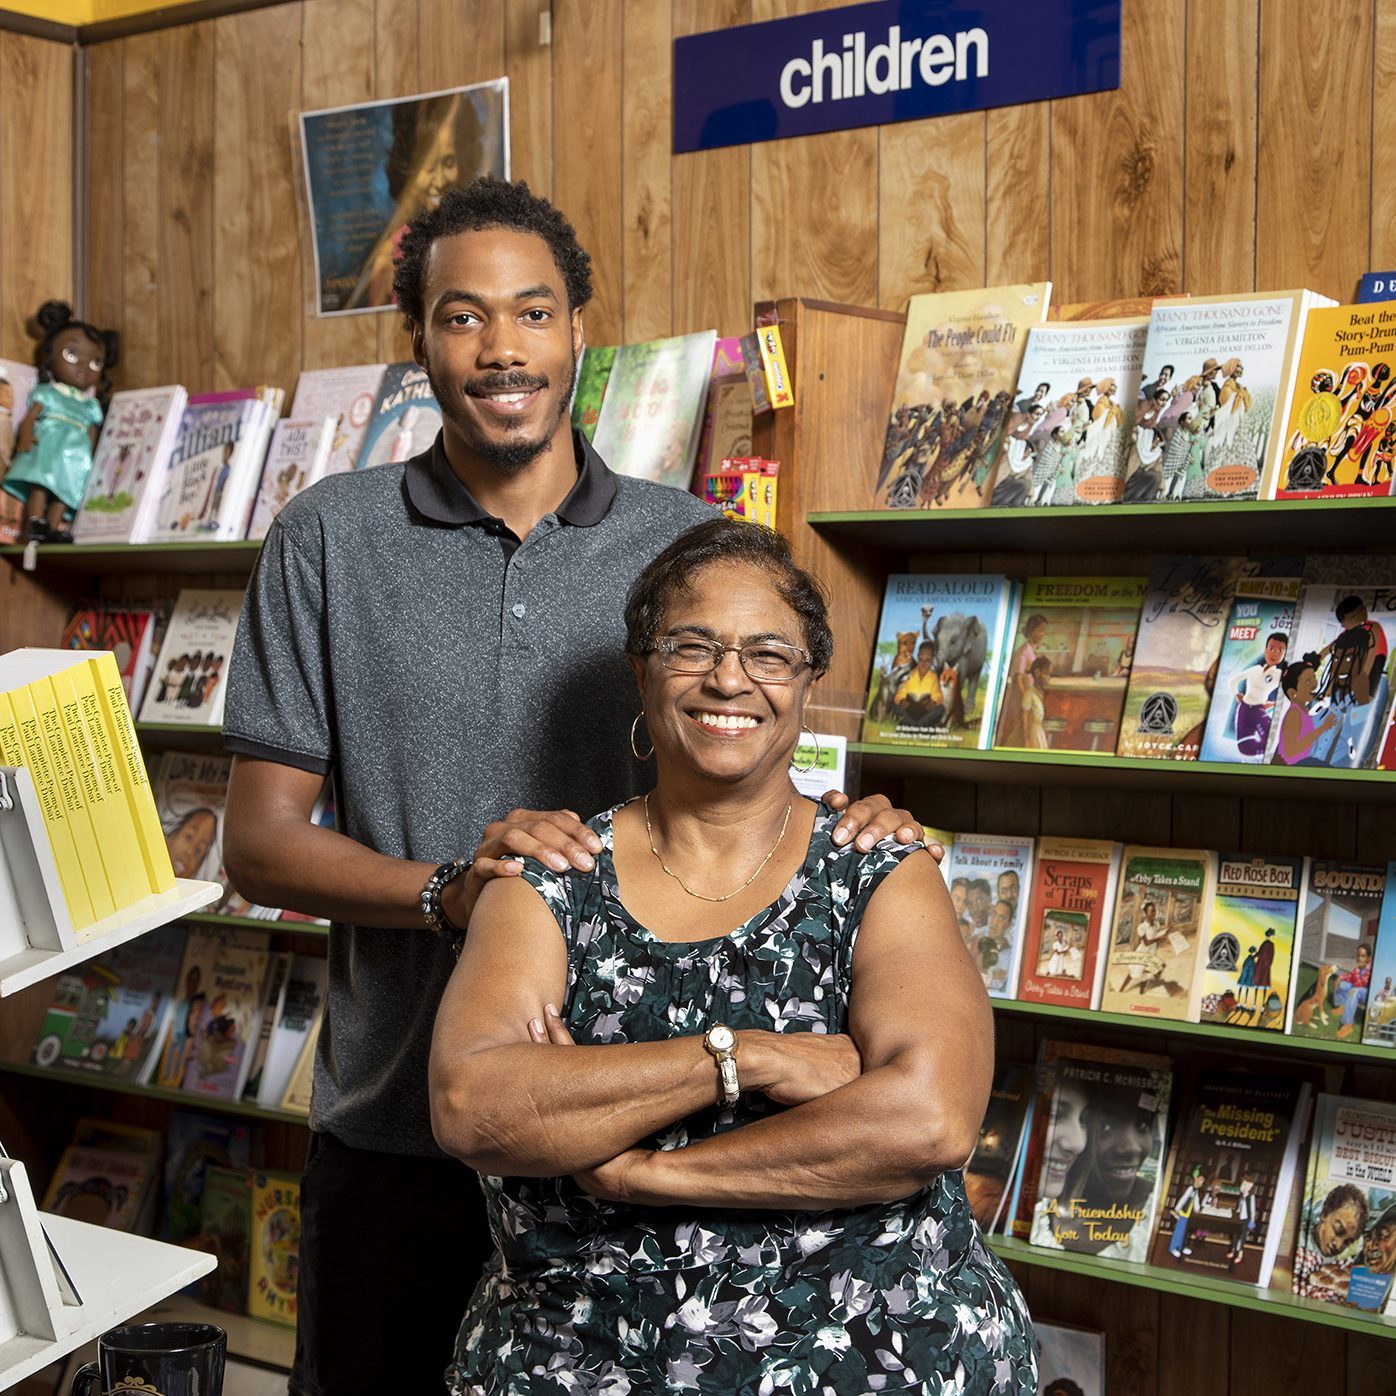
x=26, y=967
x=117, y=1275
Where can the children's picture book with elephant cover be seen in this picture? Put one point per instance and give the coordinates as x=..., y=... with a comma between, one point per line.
x=938, y=660
x=958, y=367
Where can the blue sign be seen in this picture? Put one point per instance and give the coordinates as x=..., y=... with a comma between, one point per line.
x=895, y=60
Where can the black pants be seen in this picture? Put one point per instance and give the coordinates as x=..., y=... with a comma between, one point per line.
x=391, y=1247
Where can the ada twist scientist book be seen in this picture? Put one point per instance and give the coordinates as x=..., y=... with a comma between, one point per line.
x=994, y=871
x=938, y=660
x=1159, y=922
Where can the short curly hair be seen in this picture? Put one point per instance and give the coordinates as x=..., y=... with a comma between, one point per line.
x=488, y=202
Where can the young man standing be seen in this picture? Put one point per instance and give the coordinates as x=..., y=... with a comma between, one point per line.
x=444, y=636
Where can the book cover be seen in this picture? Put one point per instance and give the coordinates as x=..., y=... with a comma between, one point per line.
x=197, y=1141
x=346, y=394
x=188, y=682
x=1386, y=745
x=1072, y=899
x=1380, y=1030
x=1070, y=1360
x=1182, y=627
x=729, y=415
x=959, y=364
x=994, y=870
x=652, y=414
x=1252, y=925
x=593, y=371
x=213, y=468
x=1230, y=1176
x=1346, y=1251
x=128, y=467
x=299, y=1088
x=105, y=1187
x=273, y=994
x=1340, y=432
x=1336, y=688
x=276, y=1234
x=225, y=1232
x=1376, y=286
x=300, y=1012
x=130, y=633
x=1217, y=372
x=404, y=420
x=1068, y=430
x=940, y=648
x=1153, y=947
x=1249, y=669
x=991, y=1164
x=1332, y=980
x=191, y=791
x=1064, y=688
x=1112, y=1117
x=298, y=456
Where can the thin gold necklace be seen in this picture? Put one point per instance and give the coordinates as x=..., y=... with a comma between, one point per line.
x=703, y=896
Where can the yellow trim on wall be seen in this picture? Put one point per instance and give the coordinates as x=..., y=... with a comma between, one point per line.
x=76, y=12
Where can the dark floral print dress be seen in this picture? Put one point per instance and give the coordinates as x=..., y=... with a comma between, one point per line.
x=585, y=1296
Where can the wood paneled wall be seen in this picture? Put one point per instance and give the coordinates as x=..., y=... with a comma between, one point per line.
x=1254, y=148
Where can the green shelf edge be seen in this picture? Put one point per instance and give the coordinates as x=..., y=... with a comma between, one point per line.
x=1246, y=508
x=1085, y=761
x=71, y=552
x=1256, y=1041
x=198, y=731
x=186, y=1098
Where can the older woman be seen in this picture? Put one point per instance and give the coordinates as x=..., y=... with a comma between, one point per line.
x=721, y=1087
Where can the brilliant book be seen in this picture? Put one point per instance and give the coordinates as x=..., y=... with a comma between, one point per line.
x=1159, y=924
x=190, y=676
x=346, y=394
x=938, y=660
x=994, y=870
x=1067, y=434
x=404, y=420
x=959, y=364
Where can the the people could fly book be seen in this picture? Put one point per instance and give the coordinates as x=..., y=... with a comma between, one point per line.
x=1231, y=1172
x=298, y=456
x=1218, y=373
x=404, y=420
x=1244, y=971
x=1381, y=998
x=1346, y=1250
x=1111, y=1118
x=938, y=660
x=1072, y=900
x=995, y=871
x=346, y=394
x=1154, y=945
x=191, y=670
x=1253, y=656
x=1340, y=436
x=652, y=413
x=128, y=468
x=1332, y=976
x=593, y=371
x=959, y=364
x=1069, y=428
x=1064, y=685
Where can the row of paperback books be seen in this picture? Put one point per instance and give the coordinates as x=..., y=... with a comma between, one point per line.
x=217, y=1013
x=1305, y=946
x=1082, y=1153
x=1243, y=660
x=1271, y=395
x=216, y=1198
x=64, y=718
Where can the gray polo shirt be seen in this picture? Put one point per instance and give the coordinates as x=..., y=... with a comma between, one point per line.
x=445, y=672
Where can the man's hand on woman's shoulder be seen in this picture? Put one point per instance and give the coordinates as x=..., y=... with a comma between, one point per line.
x=870, y=820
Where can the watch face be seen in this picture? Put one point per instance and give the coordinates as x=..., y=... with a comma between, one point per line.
x=721, y=1038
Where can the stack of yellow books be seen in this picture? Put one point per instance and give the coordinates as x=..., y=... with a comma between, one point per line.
x=64, y=717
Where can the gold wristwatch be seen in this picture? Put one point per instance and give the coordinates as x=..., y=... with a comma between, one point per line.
x=721, y=1043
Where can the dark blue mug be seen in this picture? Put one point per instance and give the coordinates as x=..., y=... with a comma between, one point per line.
x=156, y=1359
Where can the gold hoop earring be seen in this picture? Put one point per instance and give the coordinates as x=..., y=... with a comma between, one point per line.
x=814, y=736
x=634, y=745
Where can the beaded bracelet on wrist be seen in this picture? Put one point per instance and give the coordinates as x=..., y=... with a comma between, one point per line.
x=433, y=913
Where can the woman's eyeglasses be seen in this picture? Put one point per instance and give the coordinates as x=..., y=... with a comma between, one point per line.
x=766, y=661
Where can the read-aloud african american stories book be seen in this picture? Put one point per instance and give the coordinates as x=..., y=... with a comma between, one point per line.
x=1217, y=372
x=1160, y=919
x=1340, y=437
x=1244, y=971
x=1069, y=427
x=1072, y=900
x=1332, y=975
x=989, y=875
x=938, y=660
x=404, y=420
x=1230, y=1175
x=959, y=365
x=1064, y=685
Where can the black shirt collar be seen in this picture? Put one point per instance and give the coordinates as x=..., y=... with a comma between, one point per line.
x=436, y=491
